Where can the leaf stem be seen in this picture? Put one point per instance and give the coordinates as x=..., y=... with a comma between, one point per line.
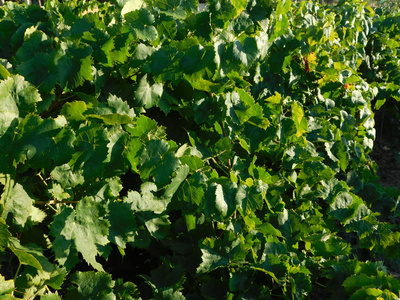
x=219, y=166
x=16, y=273
x=224, y=134
x=40, y=176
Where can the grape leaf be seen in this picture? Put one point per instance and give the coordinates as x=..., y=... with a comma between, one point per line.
x=211, y=260
x=142, y=22
x=42, y=272
x=66, y=177
x=176, y=182
x=116, y=160
x=24, y=257
x=150, y=212
x=245, y=52
x=122, y=223
x=34, y=41
x=73, y=64
x=146, y=129
x=18, y=205
x=158, y=161
x=148, y=95
x=6, y=287
x=36, y=71
x=4, y=236
x=81, y=230
x=193, y=189
x=251, y=198
x=219, y=200
x=74, y=111
x=173, y=8
x=17, y=99
x=90, y=151
x=40, y=143
x=91, y=285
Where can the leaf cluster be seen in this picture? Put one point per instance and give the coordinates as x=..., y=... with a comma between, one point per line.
x=153, y=151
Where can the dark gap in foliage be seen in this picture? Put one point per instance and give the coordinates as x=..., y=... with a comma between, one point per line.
x=173, y=122
x=131, y=182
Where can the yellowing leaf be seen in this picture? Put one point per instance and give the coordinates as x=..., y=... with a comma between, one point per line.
x=276, y=99
x=299, y=119
x=312, y=58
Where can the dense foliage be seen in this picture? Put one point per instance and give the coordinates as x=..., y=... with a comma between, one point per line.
x=153, y=151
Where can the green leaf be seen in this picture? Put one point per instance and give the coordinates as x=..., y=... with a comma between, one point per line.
x=17, y=99
x=220, y=203
x=142, y=21
x=40, y=143
x=181, y=175
x=329, y=189
x=315, y=170
x=122, y=223
x=163, y=64
x=166, y=28
x=3, y=72
x=66, y=177
x=74, y=111
x=7, y=30
x=146, y=201
x=281, y=24
x=211, y=260
x=158, y=226
x=35, y=69
x=148, y=95
x=24, y=257
x=73, y=64
x=158, y=161
x=219, y=200
x=91, y=285
x=126, y=290
x=131, y=5
x=246, y=109
x=224, y=11
x=34, y=41
x=358, y=281
x=50, y=297
x=120, y=106
x=82, y=230
x=116, y=161
x=146, y=129
x=194, y=162
x=327, y=245
x=340, y=207
x=223, y=149
x=198, y=59
x=150, y=212
x=193, y=189
x=251, y=198
x=174, y=8
x=18, y=205
x=291, y=226
x=245, y=52
x=4, y=237
x=90, y=151
x=341, y=151
x=6, y=287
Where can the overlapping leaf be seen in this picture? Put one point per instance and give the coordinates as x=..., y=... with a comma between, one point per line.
x=82, y=230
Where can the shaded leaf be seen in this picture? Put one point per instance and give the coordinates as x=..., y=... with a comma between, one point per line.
x=91, y=285
x=148, y=95
x=19, y=205
x=82, y=230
